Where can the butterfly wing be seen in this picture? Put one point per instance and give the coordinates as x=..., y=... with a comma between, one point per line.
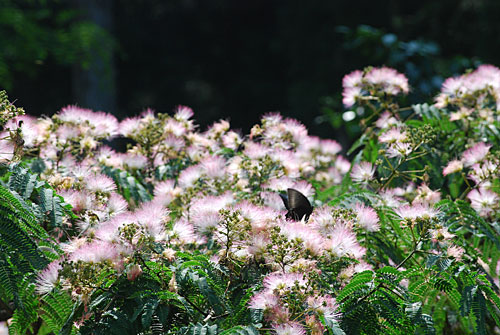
x=284, y=197
x=298, y=205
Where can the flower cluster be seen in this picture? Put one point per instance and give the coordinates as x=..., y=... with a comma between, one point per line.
x=216, y=191
x=475, y=92
x=372, y=83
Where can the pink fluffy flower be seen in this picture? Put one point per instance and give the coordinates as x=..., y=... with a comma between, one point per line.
x=324, y=305
x=290, y=328
x=183, y=113
x=367, y=217
x=213, y=166
x=350, y=95
x=48, y=278
x=342, y=242
x=393, y=135
x=362, y=172
x=6, y=149
x=426, y=195
x=189, y=176
x=133, y=272
x=475, y=154
x=99, y=183
x=419, y=210
x=484, y=201
x=95, y=252
x=301, y=231
x=279, y=283
x=263, y=300
x=452, y=167
x=455, y=251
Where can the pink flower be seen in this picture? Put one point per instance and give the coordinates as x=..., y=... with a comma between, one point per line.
x=183, y=113
x=367, y=217
x=391, y=81
x=213, y=166
x=352, y=79
x=279, y=283
x=399, y=149
x=263, y=300
x=129, y=126
x=189, y=176
x=310, y=238
x=324, y=305
x=47, y=279
x=362, y=172
x=393, y=135
x=183, y=232
x=483, y=201
x=116, y=204
x=386, y=120
x=342, y=242
x=475, y=154
x=95, y=252
x=419, y=210
x=350, y=95
x=99, y=183
x=133, y=272
x=455, y=252
x=426, y=195
x=290, y=328
x=6, y=149
x=152, y=216
x=452, y=167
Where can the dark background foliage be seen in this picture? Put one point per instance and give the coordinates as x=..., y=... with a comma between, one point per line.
x=233, y=59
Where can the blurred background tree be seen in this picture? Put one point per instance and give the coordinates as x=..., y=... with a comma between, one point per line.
x=233, y=59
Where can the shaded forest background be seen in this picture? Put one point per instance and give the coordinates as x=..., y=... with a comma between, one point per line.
x=233, y=59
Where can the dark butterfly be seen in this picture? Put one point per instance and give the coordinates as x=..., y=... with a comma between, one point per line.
x=297, y=205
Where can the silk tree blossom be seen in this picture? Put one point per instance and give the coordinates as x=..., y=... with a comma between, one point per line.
x=102, y=125
x=280, y=283
x=116, y=204
x=426, y=195
x=455, y=252
x=189, y=176
x=352, y=79
x=263, y=300
x=399, y=149
x=342, y=242
x=310, y=238
x=289, y=328
x=474, y=86
x=362, y=172
x=381, y=80
x=95, y=252
x=48, y=278
x=484, y=201
x=351, y=95
x=453, y=166
x=393, y=135
x=6, y=149
x=367, y=217
x=31, y=132
x=475, y=154
x=416, y=211
x=485, y=172
x=213, y=167
x=204, y=212
x=387, y=120
x=325, y=306
x=99, y=183
x=441, y=234
x=152, y=217
x=389, y=79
